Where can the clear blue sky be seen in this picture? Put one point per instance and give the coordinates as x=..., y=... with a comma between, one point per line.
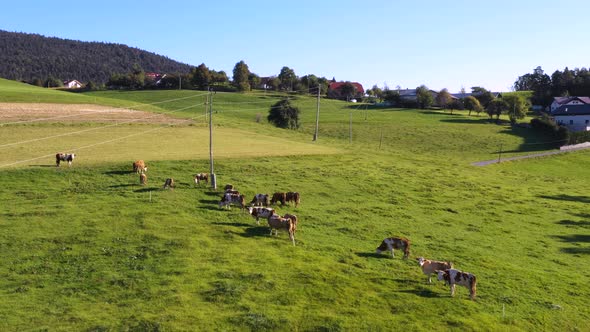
x=442, y=44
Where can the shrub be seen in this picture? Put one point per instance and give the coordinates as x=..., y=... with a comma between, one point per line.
x=579, y=137
x=284, y=115
x=558, y=134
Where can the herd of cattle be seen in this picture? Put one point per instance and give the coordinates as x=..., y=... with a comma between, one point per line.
x=260, y=207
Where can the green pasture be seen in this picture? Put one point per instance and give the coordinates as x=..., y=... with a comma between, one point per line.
x=87, y=248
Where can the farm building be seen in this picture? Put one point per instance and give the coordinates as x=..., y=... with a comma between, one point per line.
x=576, y=117
x=563, y=101
x=72, y=84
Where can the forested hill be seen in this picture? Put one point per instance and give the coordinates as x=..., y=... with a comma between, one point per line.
x=26, y=57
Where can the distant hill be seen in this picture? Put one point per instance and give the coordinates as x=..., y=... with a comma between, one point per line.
x=26, y=56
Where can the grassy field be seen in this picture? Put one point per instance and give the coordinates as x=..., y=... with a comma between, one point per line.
x=87, y=248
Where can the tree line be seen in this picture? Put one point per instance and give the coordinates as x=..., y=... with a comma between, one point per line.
x=560, y=84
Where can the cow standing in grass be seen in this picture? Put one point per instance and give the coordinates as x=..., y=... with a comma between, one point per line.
x=201, y=177
x=278, y=197
x=429, y=266
x=143, y=179
x=229, y=199
x=260, y=200
x=169, y=183
x=276, y=222
x=59, y=157
x=293, y=197
x=454, y=277
x=260, y=212
x=391, y=243
x=139, y=167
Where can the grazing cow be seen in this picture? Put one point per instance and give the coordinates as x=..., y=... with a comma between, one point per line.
x=201, y=177
x=293, y=197
x=228, y=187
x=260, y=212
x=142, y=179
x=229, y=199
x=276, y=222
x=278, y=197
x=454, y=277
x=169, y=183
x=429, y=267
x=293, y=219
x=260, y=200
x=139, y=167
x=391, y=243
x=59, y=157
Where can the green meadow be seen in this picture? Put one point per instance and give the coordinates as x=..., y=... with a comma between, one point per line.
x=86, y=248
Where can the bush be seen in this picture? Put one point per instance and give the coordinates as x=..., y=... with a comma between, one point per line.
x=560, y=135
x=284, y=115
x=579, y=137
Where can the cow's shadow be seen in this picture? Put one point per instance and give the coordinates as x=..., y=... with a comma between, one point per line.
x=422, y=292
x=254, y=231
x=52, y=165
x=373, y=255
x=145, y=190
x=235, y=224
x=122, y=185
x=209, y=201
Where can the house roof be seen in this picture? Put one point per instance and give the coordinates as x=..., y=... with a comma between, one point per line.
x=563, y=110
x=565, y=100
x=337, y=85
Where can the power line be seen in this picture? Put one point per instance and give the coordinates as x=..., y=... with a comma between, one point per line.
x=104, y=111
x=99, y=143
x=97, y=128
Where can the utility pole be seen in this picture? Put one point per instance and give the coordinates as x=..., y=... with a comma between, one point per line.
x=179, y=82
x=500, y=154
x=317, y=117
x=213, y=179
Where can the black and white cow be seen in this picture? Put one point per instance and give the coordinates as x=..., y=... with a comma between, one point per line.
x=391, y=243
x=454, y=277
x=260, y=212
x=229, y=199
x=260, y=200
x=59, y=157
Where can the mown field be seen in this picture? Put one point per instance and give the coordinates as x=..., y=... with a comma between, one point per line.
x=87, y=248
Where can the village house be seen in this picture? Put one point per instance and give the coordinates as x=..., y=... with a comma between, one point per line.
x=576, y=117
x=561, y=101
x=73, y=84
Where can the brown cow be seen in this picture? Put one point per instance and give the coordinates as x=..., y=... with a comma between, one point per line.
x=142, y=179
x=454, y=277
x=428, y=266
x=391, y=243
x=278, y=197
x=293, y=219
x=276, y=222
x=293, y=197
x=139, y=167
x=228, y=187
x=169, y=183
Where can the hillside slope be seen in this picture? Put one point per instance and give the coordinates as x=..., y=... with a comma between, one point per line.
x=26, y=56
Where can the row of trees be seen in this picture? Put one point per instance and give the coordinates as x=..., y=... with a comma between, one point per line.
x=561, y=83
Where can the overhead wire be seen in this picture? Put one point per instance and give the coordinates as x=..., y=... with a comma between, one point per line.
x=131, y=108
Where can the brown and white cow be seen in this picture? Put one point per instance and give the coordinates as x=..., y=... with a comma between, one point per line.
x=139, y=167
x=293, y=197
x=229, y=199
x=278, y=197
x=276, y=222
x=142, y=179
x=201, y=177
x=293, y=219
x=228, y=186
x=169, y=183
x=231, y=191
x=260, y=212
x=391, y=243
x=69, y=157
x=260, y=200
x=454, y=277
x=429, y=266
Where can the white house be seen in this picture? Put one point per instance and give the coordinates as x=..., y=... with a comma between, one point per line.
x=561, y=101
x=73, y=84
x=575, y=117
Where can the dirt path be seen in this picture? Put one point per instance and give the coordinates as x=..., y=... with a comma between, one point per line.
x=495, y=161
x=15, y=113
